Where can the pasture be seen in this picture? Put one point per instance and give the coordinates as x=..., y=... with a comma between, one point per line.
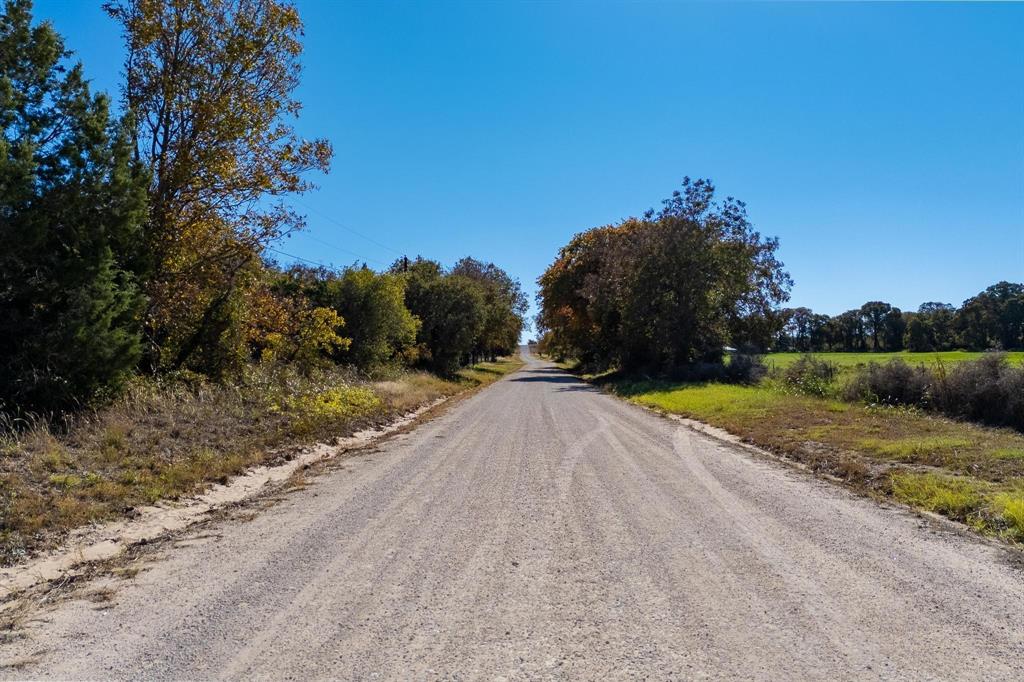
x=851, y=360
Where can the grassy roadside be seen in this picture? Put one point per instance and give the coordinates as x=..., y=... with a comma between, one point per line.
x=165, y=440
x=969, y=473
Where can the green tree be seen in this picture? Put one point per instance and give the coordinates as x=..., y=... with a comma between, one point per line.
x=382, y=329
x=662, y=292
x=451, y=310
x=505, y=305
x=71, y=203
x=918, y=339
x=938, y=319
x=874, y=314
x=452, y=321
x=211, y=85
x=994, y=318
x=894, y=326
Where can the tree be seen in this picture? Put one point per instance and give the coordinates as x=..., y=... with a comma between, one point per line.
x=757, y=332
x=918, y=339
x=819, y=335
x=505, y=305
x=874, y=314
x=938, y=320
x=285, y=326
x=665, y=291
x=452, y=309
x=994, y=318
x=210, y=84
x=373, y=306
x=579, y=314
x=893, y=328
x=71, y=202
x=452, y=316
x=800, y=328
x=848, y=331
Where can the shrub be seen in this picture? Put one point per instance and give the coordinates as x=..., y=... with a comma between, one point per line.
x=810, y=375
x=740, y=369
x=894, y=383
x=744, y=369
x=989, y=390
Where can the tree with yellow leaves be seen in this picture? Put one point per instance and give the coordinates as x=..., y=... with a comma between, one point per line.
x=210, y=84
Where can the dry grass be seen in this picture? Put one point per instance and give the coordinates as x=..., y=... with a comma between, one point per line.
x=163, y=440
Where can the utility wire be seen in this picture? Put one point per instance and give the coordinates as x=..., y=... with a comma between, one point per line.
x=291, y=255
x=338, y=248
x=346, y=227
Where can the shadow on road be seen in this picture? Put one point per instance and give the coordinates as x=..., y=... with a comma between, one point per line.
x=553, y=379
x=550, y=375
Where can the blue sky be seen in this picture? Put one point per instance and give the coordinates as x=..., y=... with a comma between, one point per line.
x=882, y=143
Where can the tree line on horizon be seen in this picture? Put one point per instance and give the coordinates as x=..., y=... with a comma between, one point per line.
x=138, y=243
x=991, y=320
x=668, y=292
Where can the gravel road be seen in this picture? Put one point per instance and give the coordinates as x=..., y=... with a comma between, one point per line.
x=542, y=529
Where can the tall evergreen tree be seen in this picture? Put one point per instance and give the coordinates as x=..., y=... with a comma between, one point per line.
x=71, y=206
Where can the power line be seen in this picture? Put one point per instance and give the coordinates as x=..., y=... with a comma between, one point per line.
x=338, y=248
x=291, y=255
x=346, y=227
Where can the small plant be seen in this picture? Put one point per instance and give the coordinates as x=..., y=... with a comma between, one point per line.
x=739, y=369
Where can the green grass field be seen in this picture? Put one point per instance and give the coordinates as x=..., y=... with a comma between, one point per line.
x=848, y=360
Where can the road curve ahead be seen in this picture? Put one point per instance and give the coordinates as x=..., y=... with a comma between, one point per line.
x=542, y=529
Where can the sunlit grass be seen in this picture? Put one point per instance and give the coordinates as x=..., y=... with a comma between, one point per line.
x=953, y=497
x=851, y=360
x=912, y=447
x=1010, y=508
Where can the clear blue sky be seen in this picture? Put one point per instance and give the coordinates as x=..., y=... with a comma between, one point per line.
x=883, y=144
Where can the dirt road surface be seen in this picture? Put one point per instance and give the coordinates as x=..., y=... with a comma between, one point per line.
x=542, y=529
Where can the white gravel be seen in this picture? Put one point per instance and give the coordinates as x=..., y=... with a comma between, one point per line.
x=542, y=529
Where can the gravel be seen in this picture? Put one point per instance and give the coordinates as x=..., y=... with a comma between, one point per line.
x=543, y=529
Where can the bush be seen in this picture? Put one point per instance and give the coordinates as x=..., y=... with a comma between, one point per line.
x=989, y=390
x=894, y=383
x=744, y=369
x=741, y=369
x=810, y=375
